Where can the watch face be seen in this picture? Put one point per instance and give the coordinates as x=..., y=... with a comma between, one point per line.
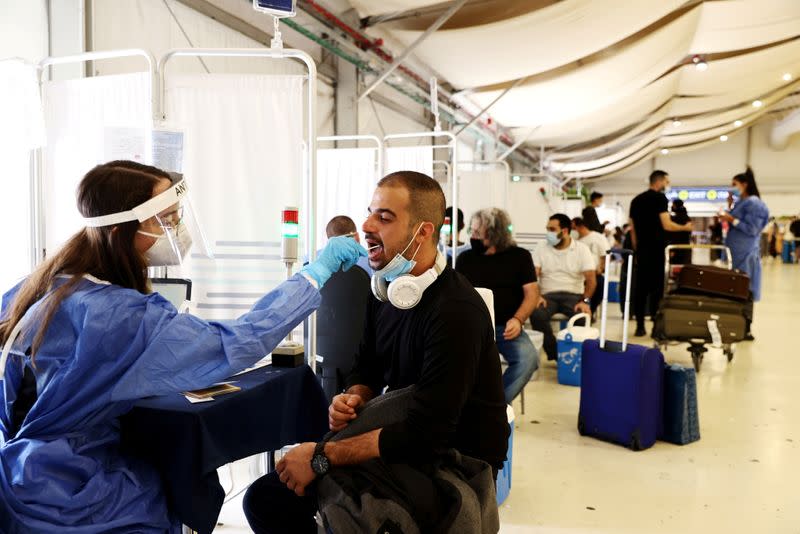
x=320, y=464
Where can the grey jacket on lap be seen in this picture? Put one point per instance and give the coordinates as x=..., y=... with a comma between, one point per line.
x=453, y=495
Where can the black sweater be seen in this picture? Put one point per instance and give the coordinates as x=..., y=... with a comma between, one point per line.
x=444, y=347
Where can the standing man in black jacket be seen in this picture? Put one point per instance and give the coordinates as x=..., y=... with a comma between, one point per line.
x=650, y=222
x=590, y=213
x=443, y=346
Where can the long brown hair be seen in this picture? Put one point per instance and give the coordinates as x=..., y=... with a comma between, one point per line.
x=107, y=253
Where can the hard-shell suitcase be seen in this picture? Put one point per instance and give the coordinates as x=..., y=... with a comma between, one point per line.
x=710, y=280
x=686, y=317
x=681, y=418
x=621, y=387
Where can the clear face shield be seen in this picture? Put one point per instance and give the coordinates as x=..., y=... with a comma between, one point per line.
x=170, y=219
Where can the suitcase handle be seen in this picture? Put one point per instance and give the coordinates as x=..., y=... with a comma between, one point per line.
x=623, y=252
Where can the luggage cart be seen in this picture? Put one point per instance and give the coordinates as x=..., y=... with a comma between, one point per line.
x=697, y=345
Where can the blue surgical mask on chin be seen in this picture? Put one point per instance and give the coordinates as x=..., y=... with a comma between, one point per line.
x=553, y=238
x=399, y=264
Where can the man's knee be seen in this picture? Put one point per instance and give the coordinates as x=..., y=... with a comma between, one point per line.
x=541, y=315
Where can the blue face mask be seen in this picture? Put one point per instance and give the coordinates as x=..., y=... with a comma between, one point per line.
x=399, y=264
x=553, y=238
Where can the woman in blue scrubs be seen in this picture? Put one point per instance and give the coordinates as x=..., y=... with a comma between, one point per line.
x=84, y=338
x=747, y=220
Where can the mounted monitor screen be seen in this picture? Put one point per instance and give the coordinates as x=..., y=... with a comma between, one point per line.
x=278, y=8
x=175, y=290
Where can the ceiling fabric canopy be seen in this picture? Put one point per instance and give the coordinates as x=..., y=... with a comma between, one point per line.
x=598, y=83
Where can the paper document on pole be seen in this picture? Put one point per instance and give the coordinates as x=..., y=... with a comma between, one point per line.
x=168, y=150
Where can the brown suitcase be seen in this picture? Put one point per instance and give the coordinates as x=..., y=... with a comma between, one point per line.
x=716, y=281
x=682, y=324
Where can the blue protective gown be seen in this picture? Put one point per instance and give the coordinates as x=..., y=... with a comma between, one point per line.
x=106, y=347
x=744, y=239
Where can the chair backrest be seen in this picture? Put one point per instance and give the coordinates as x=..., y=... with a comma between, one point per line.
x=488, y=297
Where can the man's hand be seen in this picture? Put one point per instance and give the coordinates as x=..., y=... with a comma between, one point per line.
x=343, y=410
x=513, y=329
x=294, y=469
x=542, y=303
x=582, y=307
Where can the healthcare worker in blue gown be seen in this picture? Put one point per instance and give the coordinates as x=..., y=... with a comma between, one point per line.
x=89, y=339
x=747, y=219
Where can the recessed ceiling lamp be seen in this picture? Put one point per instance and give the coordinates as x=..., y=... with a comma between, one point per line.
x=787, y=77
x=699, y=63
x=737, y=123
x=665, y=151
x=516, y=178
x=675, y=123
x=723, y=138
x=757, y=103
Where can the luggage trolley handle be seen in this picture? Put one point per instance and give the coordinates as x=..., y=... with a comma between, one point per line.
x=670, y=248
x=626, y=315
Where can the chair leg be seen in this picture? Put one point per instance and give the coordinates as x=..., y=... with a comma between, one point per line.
x=522, y=399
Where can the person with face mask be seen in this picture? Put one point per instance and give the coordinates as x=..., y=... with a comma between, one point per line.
x=428, y=328
x=598, y=245
x=497, y=263
x=747, y=219
x=650, y=221
x=566, y=270
x=84, y=338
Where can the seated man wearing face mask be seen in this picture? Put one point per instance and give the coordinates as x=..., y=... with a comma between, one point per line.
x=426, y=328
x=497, y=263
x=566, y=270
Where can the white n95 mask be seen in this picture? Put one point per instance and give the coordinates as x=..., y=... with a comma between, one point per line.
x=170, y=247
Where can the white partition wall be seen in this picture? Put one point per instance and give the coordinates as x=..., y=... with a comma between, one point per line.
x=243, y=161
x=21, y=131
x=482, y=185
x=346, y=179
x=410, y=158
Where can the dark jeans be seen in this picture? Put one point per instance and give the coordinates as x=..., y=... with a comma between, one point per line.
x=272, y=508
x=558, y=302
x=649, y=285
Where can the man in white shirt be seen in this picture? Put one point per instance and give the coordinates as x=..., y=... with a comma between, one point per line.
x=598, y=246
x=566, y=270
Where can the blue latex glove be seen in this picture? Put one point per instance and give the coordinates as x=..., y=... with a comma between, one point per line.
x=340, y=253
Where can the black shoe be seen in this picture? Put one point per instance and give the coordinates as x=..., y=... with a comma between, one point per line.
x=640, y=332
x=749, y=337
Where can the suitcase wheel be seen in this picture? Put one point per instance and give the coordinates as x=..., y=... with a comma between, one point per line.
x=636, y=442
x=729, y=351
x=581, y=427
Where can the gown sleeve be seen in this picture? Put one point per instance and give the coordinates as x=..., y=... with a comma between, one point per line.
x=183, y=352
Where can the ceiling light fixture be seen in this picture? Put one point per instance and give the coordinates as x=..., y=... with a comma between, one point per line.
x=699, y=63
x=516, y=178
x=723, y=138
x=737, y=123
x=675, y=123
x=787, y=77
x=757, y=103
x=665, y=151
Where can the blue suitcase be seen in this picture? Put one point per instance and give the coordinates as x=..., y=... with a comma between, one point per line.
x=681, y=418
x=621, y=387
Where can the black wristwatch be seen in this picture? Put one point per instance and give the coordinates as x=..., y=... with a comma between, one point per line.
x=319, y=462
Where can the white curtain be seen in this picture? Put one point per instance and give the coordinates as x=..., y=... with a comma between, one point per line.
x=346, y=178
x=410, y=158
x=21, y=130
x=479, y=189
x=243, y=161
x=78, y=114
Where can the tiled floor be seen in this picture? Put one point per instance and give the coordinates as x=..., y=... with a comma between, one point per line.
x=742, y=477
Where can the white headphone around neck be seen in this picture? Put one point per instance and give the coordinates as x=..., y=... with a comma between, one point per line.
x=405, y=291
